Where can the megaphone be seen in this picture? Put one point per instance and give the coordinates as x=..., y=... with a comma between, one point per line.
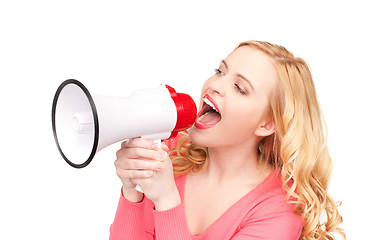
x=84, y=123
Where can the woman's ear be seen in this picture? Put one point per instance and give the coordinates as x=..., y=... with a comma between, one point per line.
x=266, y=128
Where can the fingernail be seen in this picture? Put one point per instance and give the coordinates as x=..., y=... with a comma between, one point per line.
x=154, y=147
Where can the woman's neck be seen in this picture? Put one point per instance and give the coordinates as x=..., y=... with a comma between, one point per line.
x=233, y=162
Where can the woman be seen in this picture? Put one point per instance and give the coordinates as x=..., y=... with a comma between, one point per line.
x=255, y=165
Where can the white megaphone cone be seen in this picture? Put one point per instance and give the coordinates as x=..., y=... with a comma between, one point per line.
x=85, y=123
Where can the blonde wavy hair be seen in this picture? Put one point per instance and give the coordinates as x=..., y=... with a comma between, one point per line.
x=297, y=148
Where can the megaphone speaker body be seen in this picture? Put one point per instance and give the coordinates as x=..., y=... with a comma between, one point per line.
x=84, y=122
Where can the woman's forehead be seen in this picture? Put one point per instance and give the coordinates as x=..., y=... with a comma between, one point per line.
x=253, y=64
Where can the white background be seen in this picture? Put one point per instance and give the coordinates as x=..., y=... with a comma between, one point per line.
x=114, y=47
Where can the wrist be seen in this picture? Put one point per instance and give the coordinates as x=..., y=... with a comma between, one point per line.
x=132, y=195
x=171, y=201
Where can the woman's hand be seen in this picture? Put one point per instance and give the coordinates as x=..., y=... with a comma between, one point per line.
x=139, y=161
x=161, y=187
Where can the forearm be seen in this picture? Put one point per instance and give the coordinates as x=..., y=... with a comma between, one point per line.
x=171, y=224
x=128, y=222
x=170, y=199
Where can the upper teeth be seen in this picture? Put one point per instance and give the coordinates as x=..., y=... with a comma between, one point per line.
x=208, y=102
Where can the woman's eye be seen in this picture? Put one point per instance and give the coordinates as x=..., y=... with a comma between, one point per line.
x=239, y=89
x=218, y=72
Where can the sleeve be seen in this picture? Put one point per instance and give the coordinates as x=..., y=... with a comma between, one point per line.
x=272, y=222
x=171, y=224
x=128, y=222
x=131, y=218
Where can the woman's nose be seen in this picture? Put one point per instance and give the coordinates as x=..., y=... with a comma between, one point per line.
x=217, y=85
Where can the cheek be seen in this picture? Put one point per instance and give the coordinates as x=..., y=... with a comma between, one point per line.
x=243, y=118
x=239, y=121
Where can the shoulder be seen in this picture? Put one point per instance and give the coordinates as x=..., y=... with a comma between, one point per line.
x=272, y=214
x=274, y=209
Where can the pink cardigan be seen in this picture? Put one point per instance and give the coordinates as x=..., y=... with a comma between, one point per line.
x=262, y=214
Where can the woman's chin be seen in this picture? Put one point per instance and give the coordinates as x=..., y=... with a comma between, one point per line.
x=200, y=137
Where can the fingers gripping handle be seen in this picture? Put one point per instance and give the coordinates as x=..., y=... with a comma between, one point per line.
x=158, y=143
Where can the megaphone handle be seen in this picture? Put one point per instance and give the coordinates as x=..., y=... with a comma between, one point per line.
x=138, y=188
x=158, y=143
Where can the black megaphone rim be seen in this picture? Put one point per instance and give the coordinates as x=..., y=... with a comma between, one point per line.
x=95, y=116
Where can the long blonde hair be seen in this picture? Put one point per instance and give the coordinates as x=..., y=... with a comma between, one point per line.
x=297, y=148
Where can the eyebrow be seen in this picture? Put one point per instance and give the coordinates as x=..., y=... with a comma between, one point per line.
x=239, y=75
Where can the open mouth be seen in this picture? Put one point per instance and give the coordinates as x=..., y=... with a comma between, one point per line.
x=209, y=114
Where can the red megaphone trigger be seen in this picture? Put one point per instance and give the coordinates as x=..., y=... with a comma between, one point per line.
x=186, y=110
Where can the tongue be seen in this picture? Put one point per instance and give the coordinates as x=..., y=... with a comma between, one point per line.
x=210, y=118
